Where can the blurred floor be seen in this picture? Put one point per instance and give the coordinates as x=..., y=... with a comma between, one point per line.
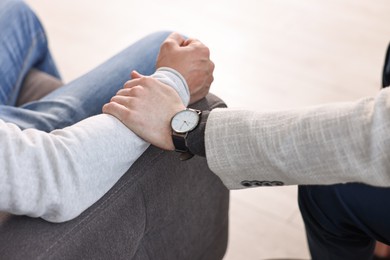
x=275, y=54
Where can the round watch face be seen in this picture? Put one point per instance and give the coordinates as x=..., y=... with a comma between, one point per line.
x=185, y=121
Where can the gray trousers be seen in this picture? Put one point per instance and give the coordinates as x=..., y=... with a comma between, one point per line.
x=162, y=208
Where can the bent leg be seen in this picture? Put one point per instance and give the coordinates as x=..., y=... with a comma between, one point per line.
x=343, y=221
x=85, y=96
x=23, y=45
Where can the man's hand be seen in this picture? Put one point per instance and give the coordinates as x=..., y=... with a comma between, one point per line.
x=191, y=59
x=146, y=106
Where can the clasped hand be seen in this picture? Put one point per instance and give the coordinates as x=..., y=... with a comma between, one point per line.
x=146, y=106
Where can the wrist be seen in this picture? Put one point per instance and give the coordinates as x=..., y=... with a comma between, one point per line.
x=196, y=138
x=183, y=123
x=173, y=78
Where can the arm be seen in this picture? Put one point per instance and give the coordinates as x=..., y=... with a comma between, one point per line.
x=147, y=109
x=58, y=175
x=336, y=143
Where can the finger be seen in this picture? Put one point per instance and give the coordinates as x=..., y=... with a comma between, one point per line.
x=142, y=84
x=124, y=92
x=135, y=91
x=135, y=75
x=176, y=38
x=132, y=83
x=190, y=41
x=122, y=100
x=117, y=110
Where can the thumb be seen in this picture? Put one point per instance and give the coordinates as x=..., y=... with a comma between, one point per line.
x=135, y=75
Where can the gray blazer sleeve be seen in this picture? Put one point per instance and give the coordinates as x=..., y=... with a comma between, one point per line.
x=335, y=143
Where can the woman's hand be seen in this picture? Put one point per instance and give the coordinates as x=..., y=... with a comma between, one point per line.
x=146, y=106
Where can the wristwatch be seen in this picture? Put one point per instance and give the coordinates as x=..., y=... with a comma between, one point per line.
x=182, y=123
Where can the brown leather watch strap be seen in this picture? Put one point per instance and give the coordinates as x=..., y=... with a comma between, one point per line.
x=179, y=141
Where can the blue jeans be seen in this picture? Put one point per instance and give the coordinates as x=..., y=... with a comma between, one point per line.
x=23, y=45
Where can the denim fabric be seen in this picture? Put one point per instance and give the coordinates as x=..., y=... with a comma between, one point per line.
x=23, y=45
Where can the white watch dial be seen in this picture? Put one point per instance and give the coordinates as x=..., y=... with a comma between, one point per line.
x=185, y=121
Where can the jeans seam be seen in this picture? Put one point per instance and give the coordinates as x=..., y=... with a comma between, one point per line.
x=24, y=67
x=23, y=71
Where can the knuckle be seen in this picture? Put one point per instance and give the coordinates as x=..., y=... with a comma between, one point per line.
x=212, y=66
x=150, y=82
x=168, y=44
x=137, y=90
x=206, y=50
x=141, y=81
x=114, y=99
x=193, y=41
x=211, y=80
x=145, y=81
x=107, y=108
x=128, y=84
x=123, y=92
x=174, y=35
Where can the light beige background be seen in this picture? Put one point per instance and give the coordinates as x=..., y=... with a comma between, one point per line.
x=269, y=54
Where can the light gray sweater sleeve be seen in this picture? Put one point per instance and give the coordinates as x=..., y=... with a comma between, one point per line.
x=58, y=175
x=327, y=144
